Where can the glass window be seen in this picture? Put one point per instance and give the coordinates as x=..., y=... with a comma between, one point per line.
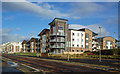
x=82, y=40
x=106, y=47
x=72, y=50
x=73, y=33
x=78, y=45
x=86, y=46
x=77, y=50
x=77, y=40
x=73, y=39
x=87, y=41
x=90, y=35
x=87, y=35
x=110, y=43
x=82, y=35
x=81, y=50
x=110, y=47
x=73, y=45
x=77, y=34
x=60, y=27
x=81, y=45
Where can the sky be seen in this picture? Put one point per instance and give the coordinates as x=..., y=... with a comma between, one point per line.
x=23, y=20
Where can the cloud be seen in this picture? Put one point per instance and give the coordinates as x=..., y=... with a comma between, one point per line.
x=7, y=35
x=111, y=21
x=94, y=28
x=83, y=9
x=28, y=7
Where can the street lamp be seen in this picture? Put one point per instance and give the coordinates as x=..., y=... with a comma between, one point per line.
x=68, y=51
x=100, y=46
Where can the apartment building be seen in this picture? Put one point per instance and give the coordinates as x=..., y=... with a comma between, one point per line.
x=35, y=45
x=26, y=46
x=58, y=35
x=79, y=41
x=107, y=43
x=11, y=47
x=45, y=41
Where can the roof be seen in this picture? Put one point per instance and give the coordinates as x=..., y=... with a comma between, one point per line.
x=43, y=31
x=59, y=19
x=83, y=29
x=105, y=37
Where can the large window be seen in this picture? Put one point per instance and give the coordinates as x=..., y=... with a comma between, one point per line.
x=73, y=34
x=87, y=35
x=72, y=50
x=61, y=27
x=86, y=46
x=77, y=40
x=77, y=34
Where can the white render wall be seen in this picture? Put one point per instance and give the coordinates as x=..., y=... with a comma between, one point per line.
x=10, y=44
x=76, y=37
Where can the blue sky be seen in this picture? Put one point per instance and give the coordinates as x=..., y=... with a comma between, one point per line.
x=21, y=20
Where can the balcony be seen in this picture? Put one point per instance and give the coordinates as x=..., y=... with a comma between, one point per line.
x=59, y=35
x=57, y=46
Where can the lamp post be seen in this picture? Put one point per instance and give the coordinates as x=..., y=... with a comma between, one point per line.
x=68, y=51
x=100, y=46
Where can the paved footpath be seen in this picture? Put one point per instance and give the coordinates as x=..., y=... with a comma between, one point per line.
x=51, y=66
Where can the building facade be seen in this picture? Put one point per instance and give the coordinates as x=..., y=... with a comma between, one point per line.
x=11, y=47
x=58, y=35
x=45, y=41
x=26, y=46
x=35, y=45
x=79, y=41
x=107, y=43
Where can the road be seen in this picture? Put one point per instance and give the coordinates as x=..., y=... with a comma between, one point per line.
x=51, y=66
x=110, y=63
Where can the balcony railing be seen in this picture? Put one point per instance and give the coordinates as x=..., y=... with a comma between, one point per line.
x=57, y=47
x=54, y=34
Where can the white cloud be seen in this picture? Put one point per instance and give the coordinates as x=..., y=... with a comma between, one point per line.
x=7, y=35
x=31, y=8
x=85, y=9
x=94, y=28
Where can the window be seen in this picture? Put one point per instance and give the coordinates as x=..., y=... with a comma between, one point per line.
x=73, y=33
x=82, y=40
x=110, y=47
x=72, y=50
x=73, y=45
x=104, y=41
x=77, y=50
x=60, y=27
x=87, y=35
x=110, y=43
x=90, y=40
x=73, y=39
x=89, y=46
x=77, y=40
x=81, y=45
x=90, y=35
x=77, y=34
x=106, y=47
x=78, y=45
x=82, y=35
x=81, y=50
x=87, y=41
x=86, y=46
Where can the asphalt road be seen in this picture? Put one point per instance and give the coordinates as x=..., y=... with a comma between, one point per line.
x=51, y=66
x=110, y=63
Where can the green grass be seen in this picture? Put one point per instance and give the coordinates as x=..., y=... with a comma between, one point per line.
x=86, y=56
x=27, y=53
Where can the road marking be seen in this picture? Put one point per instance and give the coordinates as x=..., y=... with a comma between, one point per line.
x=37, y=70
